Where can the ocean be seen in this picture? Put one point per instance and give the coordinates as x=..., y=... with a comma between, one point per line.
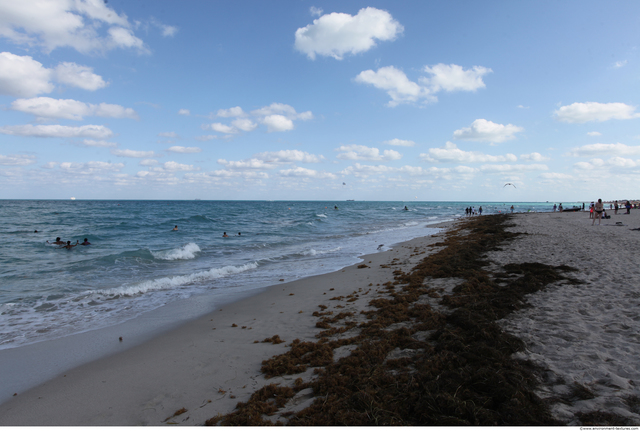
x=137, y=263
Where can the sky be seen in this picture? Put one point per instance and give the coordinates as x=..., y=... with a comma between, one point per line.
x=320, y=100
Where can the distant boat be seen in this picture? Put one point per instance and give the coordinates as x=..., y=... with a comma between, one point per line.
x=197, y=199
x=350, y=200
x=574, y=209
x=72, y=198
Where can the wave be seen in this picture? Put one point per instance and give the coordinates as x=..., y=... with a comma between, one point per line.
x=185, y=252
x=176, y=281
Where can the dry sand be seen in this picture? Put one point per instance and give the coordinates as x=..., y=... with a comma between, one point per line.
x=206, y=366
x=585, y=335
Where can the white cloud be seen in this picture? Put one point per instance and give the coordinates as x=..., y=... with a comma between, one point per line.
x=533, y=157
x=173, y=167
x=79, y=76
x=252, y=164
x=337, y=34
x=105, y=144
x=77, y=24
x=223, y=128
x=512, y=168
x=167, y=30
x=361, y=152
x=450, y=153
x=57, y=131
x=69, y=109
x=400, y=143
x=454, y=78
x=365, y=171
x=522, y=107
x=282, y=109
x=593, y=111
x=244, y=124
x=306, y=173
x=619, y=64
x=289, y=156
x=148, y=162
x=612, y=163
x=184, y=112
x=133, y=153
x=17, y=160
x=277, y=123
x=89, y=168
x=396, y=84
x=22, y=76
x=231, y=112
x=315, y=11
x=594, y=133
x=205, y=138
x=606, y=149
x=487, y=131
x=168, y=134
x=178, y=149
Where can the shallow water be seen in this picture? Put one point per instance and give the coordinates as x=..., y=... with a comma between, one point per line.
x=137, y=263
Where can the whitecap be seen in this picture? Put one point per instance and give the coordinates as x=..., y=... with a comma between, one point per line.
x=185, y=252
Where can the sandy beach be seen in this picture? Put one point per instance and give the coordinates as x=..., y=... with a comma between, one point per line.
x=578, y=345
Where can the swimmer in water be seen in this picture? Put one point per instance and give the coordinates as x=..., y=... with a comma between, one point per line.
x=86, y=242
x=175, y=228
x=69, y=246
x=224, y=235
x=56, y=242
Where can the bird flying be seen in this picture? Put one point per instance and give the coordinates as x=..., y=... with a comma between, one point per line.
x=509, y=184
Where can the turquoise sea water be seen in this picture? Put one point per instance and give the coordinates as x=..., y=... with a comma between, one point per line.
x=136, y=263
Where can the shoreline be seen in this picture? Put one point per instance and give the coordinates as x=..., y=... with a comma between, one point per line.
x=566, y=353
x=37, y=356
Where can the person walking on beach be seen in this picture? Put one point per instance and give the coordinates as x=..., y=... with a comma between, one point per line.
x=554, y=207
x=628, y=206
x=591, y=210
x=615, y=206
x=560, y=207
x=598, y=208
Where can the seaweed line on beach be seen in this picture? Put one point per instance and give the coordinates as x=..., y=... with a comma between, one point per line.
x=423, y=355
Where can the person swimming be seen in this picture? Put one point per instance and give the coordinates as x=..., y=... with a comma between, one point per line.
x=224, y=235
x=175, y=228
x=69, y=246
x=86, y=242
x=57, y=241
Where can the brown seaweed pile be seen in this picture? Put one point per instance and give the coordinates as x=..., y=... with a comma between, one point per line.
x=412, y=364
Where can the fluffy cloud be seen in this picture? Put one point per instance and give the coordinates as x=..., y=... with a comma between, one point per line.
x=77, y=24
x=533, y=157
x=604, y=149
x=365, y=171
x=22, y=76
x=178, y=149
x=132, y=153
x=79, y=76
x=487, y=131
x=252, y=164
x=307, y=173
x=17, y=160
x=361, y=152
x=289, y=156
x=454, y=78
x=69, y=109
x=231, y=112
x=184, y=112
x=57, y=131
x=278, y=117
x=450, y=153
x=593, y=111
x=396, y=84
x=400, y=143
x=277, y=123
x=613, y=162
x=443, y=77
x=337, y=34
x=148, y=162
x=315, y=11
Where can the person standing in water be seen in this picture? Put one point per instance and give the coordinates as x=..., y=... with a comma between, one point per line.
x=69, y=246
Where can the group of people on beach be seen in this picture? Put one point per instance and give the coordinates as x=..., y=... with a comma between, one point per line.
x=68, y=244
x=471, y=211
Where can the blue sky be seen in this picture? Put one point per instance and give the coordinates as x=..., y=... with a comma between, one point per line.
x=375, y=100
